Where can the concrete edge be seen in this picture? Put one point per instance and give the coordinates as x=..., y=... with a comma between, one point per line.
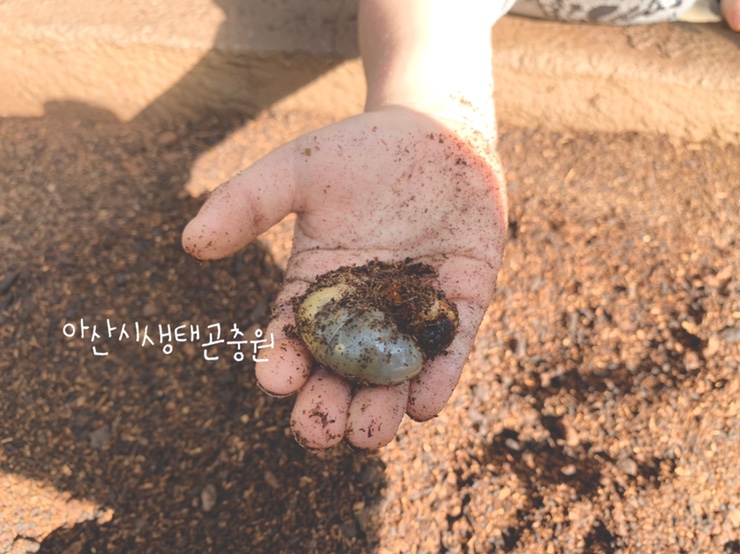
x=679, y=79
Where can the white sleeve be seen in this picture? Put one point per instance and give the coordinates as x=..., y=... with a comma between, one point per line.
x=505, y=7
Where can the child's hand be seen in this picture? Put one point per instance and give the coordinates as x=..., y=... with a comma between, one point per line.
x=387, y=185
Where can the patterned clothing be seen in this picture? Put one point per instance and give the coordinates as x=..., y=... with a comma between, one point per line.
x=617, y=12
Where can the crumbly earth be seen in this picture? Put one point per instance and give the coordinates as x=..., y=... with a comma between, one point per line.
x=599, y=411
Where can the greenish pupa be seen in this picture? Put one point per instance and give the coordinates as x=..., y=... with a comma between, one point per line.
x=376, y=324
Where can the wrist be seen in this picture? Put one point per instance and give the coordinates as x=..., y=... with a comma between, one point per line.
x=430, y=56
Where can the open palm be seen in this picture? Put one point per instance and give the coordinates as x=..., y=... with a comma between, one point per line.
x=386, y=185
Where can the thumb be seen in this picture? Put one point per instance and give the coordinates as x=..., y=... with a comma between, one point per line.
x=243, y=207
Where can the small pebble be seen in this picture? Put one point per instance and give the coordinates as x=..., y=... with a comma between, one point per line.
x=568, y=470
x=271, y=480
x=208, y=497
x=628, y=466
x=730, y=334
x=25, y=545
x=511, y=444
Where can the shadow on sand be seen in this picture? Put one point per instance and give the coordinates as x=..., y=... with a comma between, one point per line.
x=188, y=453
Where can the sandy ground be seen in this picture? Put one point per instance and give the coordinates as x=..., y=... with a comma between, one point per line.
x=599, y=411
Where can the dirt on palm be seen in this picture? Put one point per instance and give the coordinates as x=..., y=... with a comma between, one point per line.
x=599, y=410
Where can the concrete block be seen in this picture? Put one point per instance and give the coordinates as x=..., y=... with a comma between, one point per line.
x=188, y=58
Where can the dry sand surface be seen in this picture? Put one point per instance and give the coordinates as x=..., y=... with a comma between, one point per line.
x=599, y=411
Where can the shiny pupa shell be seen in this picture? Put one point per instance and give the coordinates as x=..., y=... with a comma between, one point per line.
x=364, y=325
